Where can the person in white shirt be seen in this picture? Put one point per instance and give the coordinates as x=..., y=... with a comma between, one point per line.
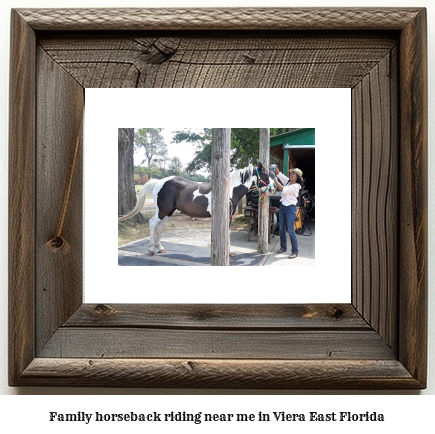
x=289, y=188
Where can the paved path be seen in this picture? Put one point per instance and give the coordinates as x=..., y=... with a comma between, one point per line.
x=187, y=246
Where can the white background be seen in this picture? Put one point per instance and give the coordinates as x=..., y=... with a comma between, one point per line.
x=405, y=413
x=326, y=110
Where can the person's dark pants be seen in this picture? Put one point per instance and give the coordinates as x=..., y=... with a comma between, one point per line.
x=287, y=215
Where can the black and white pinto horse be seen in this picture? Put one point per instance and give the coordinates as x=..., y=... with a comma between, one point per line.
x=194, y=198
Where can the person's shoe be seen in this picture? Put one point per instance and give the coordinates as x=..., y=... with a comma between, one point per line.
x=281, y=250
x=293, y=256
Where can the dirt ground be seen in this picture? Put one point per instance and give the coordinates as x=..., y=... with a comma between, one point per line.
x=129, y=232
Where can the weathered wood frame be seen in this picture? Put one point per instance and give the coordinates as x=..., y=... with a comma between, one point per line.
x=377, y=341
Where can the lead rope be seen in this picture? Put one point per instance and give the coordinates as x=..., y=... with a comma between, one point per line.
x=262, y=193
x=59, y=244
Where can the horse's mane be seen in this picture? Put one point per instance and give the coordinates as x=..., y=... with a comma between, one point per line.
x=241, y=176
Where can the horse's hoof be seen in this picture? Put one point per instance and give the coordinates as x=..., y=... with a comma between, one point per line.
x=233, y=254
x=162, y=251
x=150, y=253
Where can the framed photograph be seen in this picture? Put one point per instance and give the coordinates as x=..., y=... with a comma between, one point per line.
x=327, y=110
x=377, y=341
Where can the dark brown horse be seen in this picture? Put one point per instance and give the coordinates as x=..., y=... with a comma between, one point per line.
x=193, y=198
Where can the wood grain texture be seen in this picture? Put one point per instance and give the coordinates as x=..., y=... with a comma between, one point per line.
x=263, y=208
x=378, y=342
x=393, y=205
x=229, y=374
x=126, y=342
x=413, y=197
x=235, y=60
x=357, y=198
x=220, y=206
x=59, y=277
x=375, y=167
x=21, y=197
x=252, y=317
x=220, y=18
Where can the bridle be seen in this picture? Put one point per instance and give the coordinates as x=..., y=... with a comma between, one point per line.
x=256, y=186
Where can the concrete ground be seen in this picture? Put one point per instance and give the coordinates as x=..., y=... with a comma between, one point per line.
x=192, y=247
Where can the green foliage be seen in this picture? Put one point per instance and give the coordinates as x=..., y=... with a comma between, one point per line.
x=202, y=160
x=139, y=170
x=245, y=144
x=152, y=170
x=195, y=177
x=197, y=138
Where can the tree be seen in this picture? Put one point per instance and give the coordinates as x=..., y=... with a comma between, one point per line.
x=175, y=166
x=126, y=188
x=152, y=170
x=202, y=140
x=140, y=170
x=161, y=156
x=139, y=173
x=151, y=140
x=244, y=145
x=197, y=177
x=162, y=160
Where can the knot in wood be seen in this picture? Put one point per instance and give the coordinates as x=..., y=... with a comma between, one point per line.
x=103, y=309
x=338, y=313
x=249, y=59
x=218, y=155
x=58, y=244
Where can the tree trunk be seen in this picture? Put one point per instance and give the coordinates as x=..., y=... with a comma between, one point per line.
x=263, y=207
x=126, y=189
x=220, y=207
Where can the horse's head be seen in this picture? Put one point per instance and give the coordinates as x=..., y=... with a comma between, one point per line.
x=264, y=182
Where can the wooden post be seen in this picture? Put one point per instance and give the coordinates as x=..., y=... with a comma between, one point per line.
x=220, y=206
x=263, y=207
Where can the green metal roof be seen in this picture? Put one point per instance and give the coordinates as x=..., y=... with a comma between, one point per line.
x=298, y=138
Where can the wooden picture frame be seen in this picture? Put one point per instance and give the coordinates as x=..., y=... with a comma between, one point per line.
x=377, y=341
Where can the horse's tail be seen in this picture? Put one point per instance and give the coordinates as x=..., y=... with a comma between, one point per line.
x=147, y=189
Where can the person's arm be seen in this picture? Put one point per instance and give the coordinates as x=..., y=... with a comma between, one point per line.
x=278, y=184
x=281, y=176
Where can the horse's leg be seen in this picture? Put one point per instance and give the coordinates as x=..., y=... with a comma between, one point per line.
x=154, y=221
x=158, y=234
